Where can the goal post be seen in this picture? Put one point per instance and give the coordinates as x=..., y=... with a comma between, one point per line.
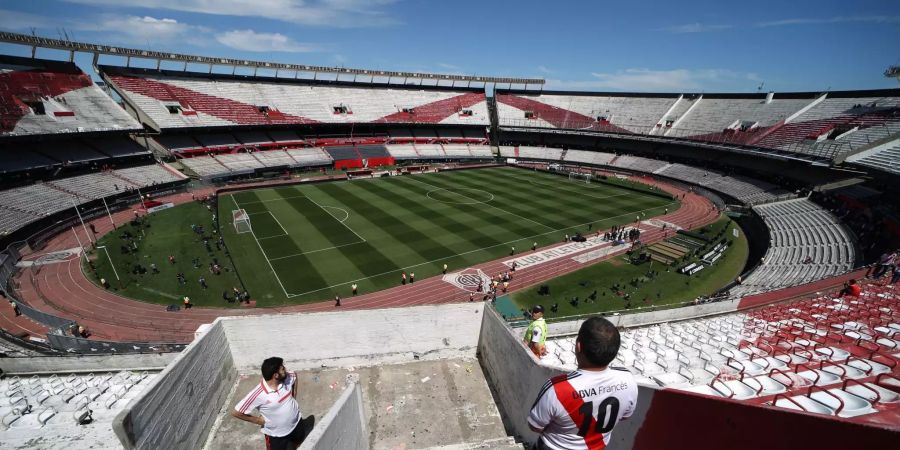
x=241, y=221
x=575, y=176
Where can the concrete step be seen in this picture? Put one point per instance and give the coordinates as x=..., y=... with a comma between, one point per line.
x=505, y=443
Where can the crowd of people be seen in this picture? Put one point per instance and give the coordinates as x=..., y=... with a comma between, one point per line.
x=887, y=266
x=197, y=270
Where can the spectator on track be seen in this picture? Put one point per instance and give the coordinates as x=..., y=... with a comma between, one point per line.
x=403, y=278
x=471, y=296
x=445, y=269
x=187, y=302
x=15, y=307
x=354, y=288
x=412, y=277
x=337, y=300
x=512, y=251
x=534, y=246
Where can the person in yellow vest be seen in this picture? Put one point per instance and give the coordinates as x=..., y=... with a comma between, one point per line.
x=536, y=334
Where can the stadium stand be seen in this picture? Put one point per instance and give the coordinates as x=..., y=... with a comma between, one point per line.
x=401, y=152
x=239, y=162
x=205, y=166
x=886, y=158
x=638, y=163
x=39, y=97
x=306, y=157
x=27, y=156
x=586, y=157
x=274, y=158
x=807, y=243
x=172, y=100
x=253, y=138
x=26, y=204
x=116, y=146
x=58, y=406
x=457, y=151
x=430, y=151
x=481, y=151
x=813, y=354
x=601, y=112
x=837, y=125
x=178, y=143
x=338, y=153
x=744, y=189
x=743, y=118
x=824, y=126
x=547, y=153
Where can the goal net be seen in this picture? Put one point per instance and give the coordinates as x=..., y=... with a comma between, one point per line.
x=241, y=221
x=575, y=176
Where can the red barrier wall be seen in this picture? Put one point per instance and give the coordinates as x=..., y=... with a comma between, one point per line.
x=348, y=164
x=357, y=163
x=679, y=420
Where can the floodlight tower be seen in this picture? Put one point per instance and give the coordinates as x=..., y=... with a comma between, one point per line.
x=893, y=72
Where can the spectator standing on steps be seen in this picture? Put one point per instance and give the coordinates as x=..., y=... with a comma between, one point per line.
x=279, y=413
x=579, y=410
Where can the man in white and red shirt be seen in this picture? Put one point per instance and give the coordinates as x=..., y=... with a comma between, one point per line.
x=279, y=414
x=578, y=410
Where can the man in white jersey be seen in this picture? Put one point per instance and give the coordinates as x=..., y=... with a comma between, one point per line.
x=279, y=414
x=578, y=410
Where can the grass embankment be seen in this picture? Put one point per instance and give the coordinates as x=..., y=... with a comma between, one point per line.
x=664, y=288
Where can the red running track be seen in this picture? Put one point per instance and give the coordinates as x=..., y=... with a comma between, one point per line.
x=63, y=290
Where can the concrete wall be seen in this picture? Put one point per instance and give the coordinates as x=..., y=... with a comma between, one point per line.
x=355, y=338
x=85, y=363
x=513, y=372
x=343, y=427
x=177, y=410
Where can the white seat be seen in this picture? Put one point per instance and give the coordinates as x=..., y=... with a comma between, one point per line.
x=852, y=405
x=804, y=403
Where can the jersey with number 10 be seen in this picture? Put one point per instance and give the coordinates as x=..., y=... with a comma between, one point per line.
x=578, y=410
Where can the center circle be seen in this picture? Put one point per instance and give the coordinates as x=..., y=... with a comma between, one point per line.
x=460, y=196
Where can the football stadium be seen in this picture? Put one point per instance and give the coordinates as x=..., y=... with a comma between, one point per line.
x=170, y=220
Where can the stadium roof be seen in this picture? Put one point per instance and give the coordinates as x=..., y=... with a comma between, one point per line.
x=97, y=49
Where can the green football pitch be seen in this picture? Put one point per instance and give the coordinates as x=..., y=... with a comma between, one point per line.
x=311, y=241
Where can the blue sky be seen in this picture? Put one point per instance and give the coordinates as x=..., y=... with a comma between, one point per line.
x=672, y=46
